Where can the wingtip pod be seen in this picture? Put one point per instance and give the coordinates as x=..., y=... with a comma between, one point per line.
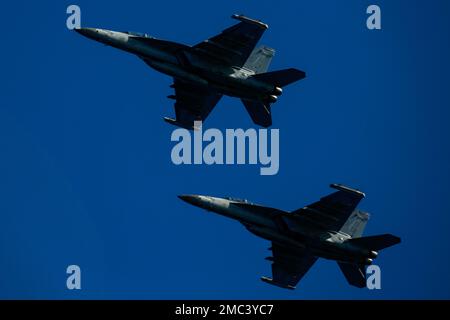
x=347, y=189
x=272, y=282
x=243, y=18
x=180, y=124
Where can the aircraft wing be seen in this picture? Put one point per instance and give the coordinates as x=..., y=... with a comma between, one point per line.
x=192, y=103
x=264, y=211
x=331, y=212
x=234, y=45
x=288, y=266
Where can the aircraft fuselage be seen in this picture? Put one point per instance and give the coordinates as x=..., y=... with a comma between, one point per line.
x=321, y=243
x=181, y=62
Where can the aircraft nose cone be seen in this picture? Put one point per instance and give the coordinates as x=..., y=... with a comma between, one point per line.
x=87, y=32
x=192, y=199
x=81, y=31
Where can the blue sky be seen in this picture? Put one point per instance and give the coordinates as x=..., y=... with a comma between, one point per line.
x=85, y=170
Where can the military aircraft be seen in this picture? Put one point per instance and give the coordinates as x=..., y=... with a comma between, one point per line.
x=226, y=64
x=330, y=228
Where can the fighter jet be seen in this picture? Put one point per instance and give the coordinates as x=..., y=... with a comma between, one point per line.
x=330, y=228
x=226, y=64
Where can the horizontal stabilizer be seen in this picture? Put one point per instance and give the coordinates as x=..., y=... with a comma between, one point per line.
x=259, y=112
x=355, y=275
x=280, y=78
x=376, y=242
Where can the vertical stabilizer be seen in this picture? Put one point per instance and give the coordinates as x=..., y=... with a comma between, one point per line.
x=356, y=223
x=260, y=59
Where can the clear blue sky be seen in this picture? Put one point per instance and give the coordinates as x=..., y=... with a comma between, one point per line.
x=85, y=170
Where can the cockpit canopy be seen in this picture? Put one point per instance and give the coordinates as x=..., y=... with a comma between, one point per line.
x=238, y=200
x=137, y=34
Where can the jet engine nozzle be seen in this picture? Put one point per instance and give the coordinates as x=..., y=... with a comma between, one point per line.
x=273, y=98
x=277, y=91
x=373, y=254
